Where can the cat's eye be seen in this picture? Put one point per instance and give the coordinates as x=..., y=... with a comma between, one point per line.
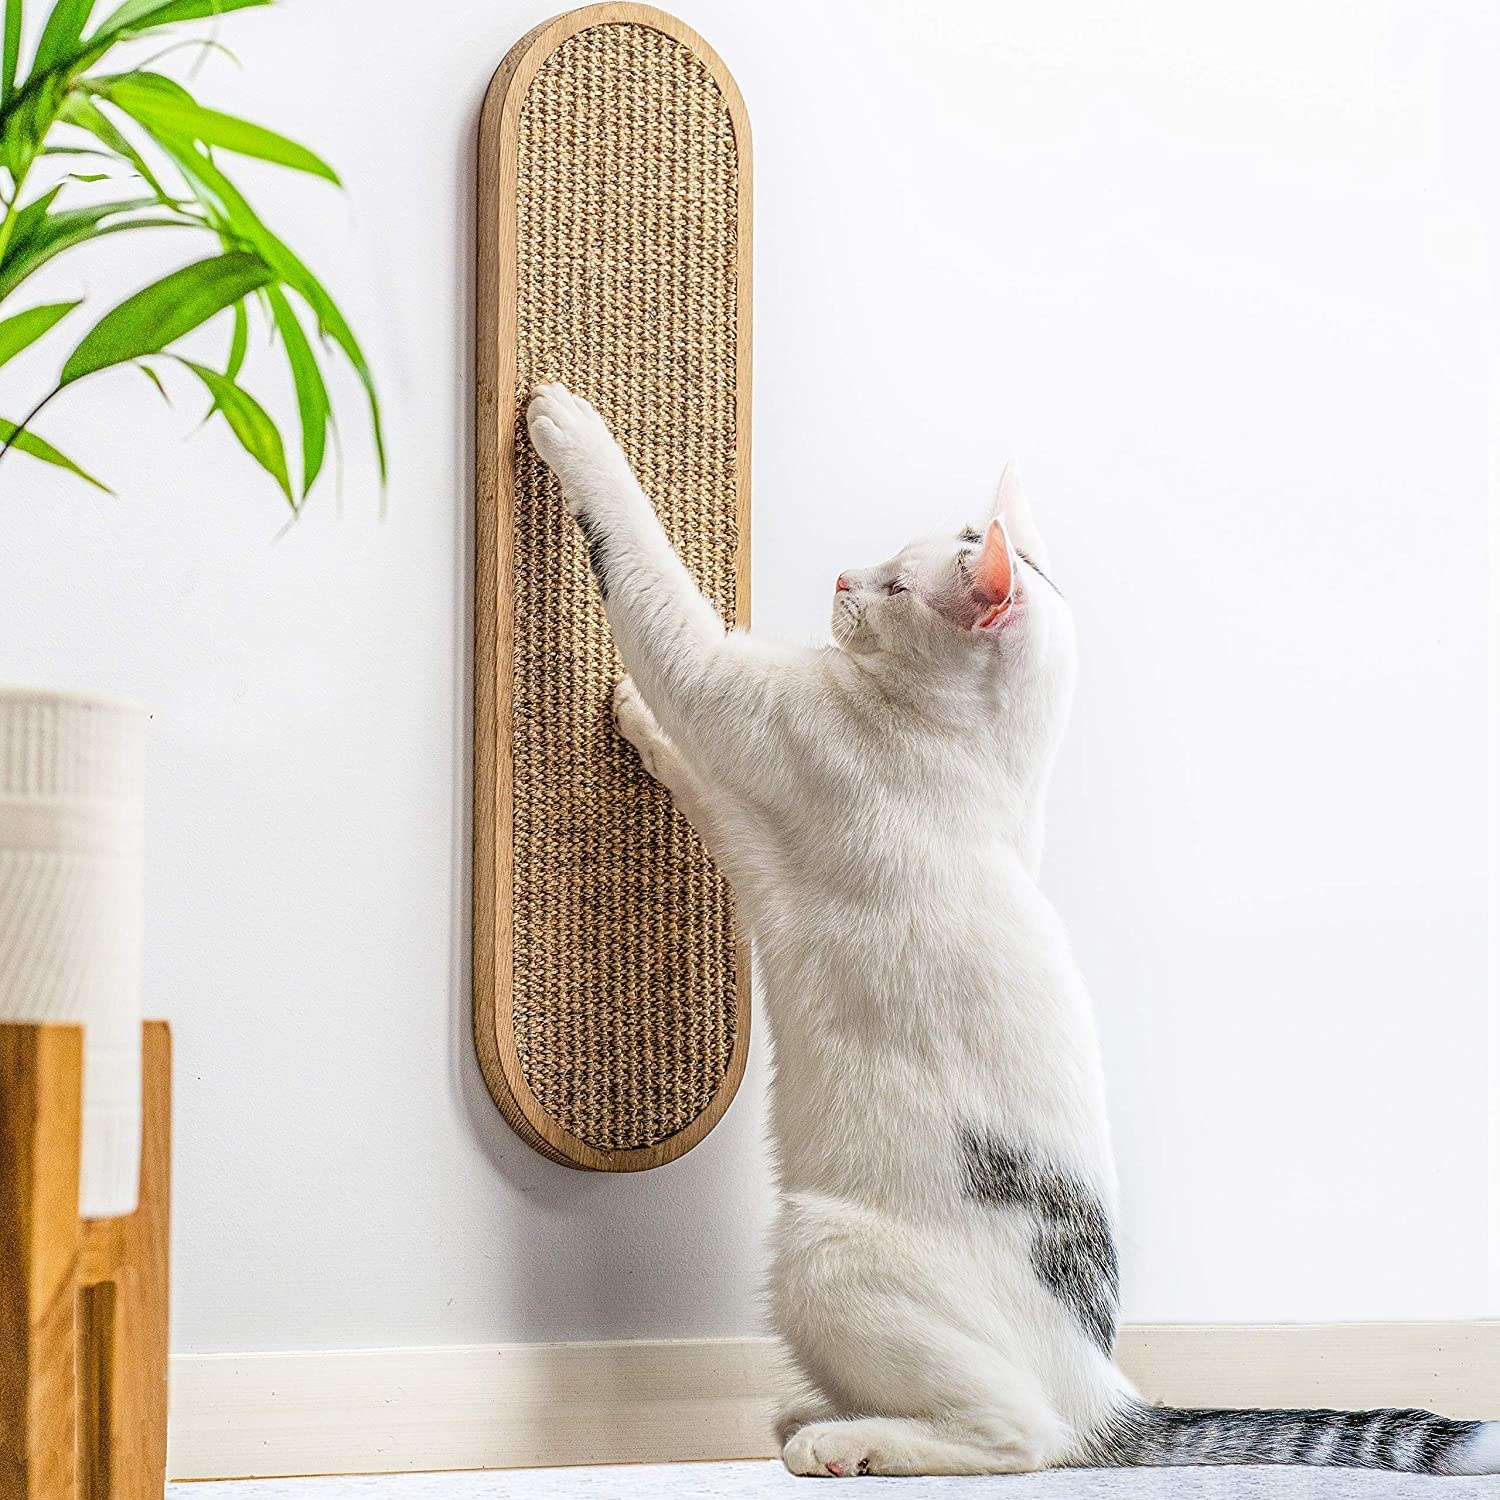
x=895, y=586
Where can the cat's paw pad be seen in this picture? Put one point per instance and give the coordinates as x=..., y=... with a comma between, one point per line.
x=830, y=1450
x=569, y=435
x=637, y=723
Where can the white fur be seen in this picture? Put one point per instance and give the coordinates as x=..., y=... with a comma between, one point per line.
x=1481, y=1455
x=878, y=808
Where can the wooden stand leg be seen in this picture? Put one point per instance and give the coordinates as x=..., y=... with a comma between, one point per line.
x=41, y=1089
x=83, y=1303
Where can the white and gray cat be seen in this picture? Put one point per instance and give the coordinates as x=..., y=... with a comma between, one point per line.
x=943, y=1260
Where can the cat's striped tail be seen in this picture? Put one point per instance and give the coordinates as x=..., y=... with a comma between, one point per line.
x=1412, y=1442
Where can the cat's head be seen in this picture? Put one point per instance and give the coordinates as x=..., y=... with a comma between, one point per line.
x=980, y=601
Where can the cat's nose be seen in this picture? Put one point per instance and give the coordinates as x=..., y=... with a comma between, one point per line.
x=842, y=586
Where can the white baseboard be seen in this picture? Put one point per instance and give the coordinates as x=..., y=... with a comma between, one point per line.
x=351, y=1411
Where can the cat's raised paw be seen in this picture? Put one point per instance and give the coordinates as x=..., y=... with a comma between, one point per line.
x=571, y=438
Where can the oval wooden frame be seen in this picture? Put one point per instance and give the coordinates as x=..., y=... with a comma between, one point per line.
x=495, y=367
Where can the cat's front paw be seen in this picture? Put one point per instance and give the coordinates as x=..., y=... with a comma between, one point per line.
x=637, y=724
x=572, y=440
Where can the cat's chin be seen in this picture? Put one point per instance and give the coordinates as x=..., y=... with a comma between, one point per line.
x=844, y=619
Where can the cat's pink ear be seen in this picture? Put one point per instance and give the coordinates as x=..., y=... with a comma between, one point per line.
x=1012, y=510
x=992, y=575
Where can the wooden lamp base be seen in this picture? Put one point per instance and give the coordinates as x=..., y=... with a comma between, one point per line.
x=83, y=1302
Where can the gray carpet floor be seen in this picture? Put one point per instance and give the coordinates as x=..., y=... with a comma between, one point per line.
x=742, y=1481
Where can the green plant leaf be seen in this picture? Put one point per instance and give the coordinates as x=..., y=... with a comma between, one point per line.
x=136, y=16
x=133, y=115
x=34, y=211
x=61, y=35
x=161, y=104
x=249, y=422
x=150, y=320
x=75, y=231
x=81, y=111
x=12, y=51
x=239, y=342
x=27, y=117
x=27, y=327
x=29, y=442
x=22, y=223
x=38, y=235
x=155, y=380
x=230, y=213
x=312, y=394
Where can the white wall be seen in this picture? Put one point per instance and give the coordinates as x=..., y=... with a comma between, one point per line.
x=1219, y=275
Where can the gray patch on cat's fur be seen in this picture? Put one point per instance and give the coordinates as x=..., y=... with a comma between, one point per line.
x=1411, y=1442
x=1073, y=1252
x=593, y=539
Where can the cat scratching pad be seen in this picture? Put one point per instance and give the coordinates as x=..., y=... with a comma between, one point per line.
x=611, y=994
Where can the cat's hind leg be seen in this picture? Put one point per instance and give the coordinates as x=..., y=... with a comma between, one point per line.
x=921, y=1378
x=800, y=1413
x=910, y=1393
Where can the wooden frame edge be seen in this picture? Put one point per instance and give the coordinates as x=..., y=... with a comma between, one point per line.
x=494, y=490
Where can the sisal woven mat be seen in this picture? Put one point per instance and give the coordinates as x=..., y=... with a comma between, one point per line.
x=622, y=1020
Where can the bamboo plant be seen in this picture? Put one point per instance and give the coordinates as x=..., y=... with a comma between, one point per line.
x=69, y=124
